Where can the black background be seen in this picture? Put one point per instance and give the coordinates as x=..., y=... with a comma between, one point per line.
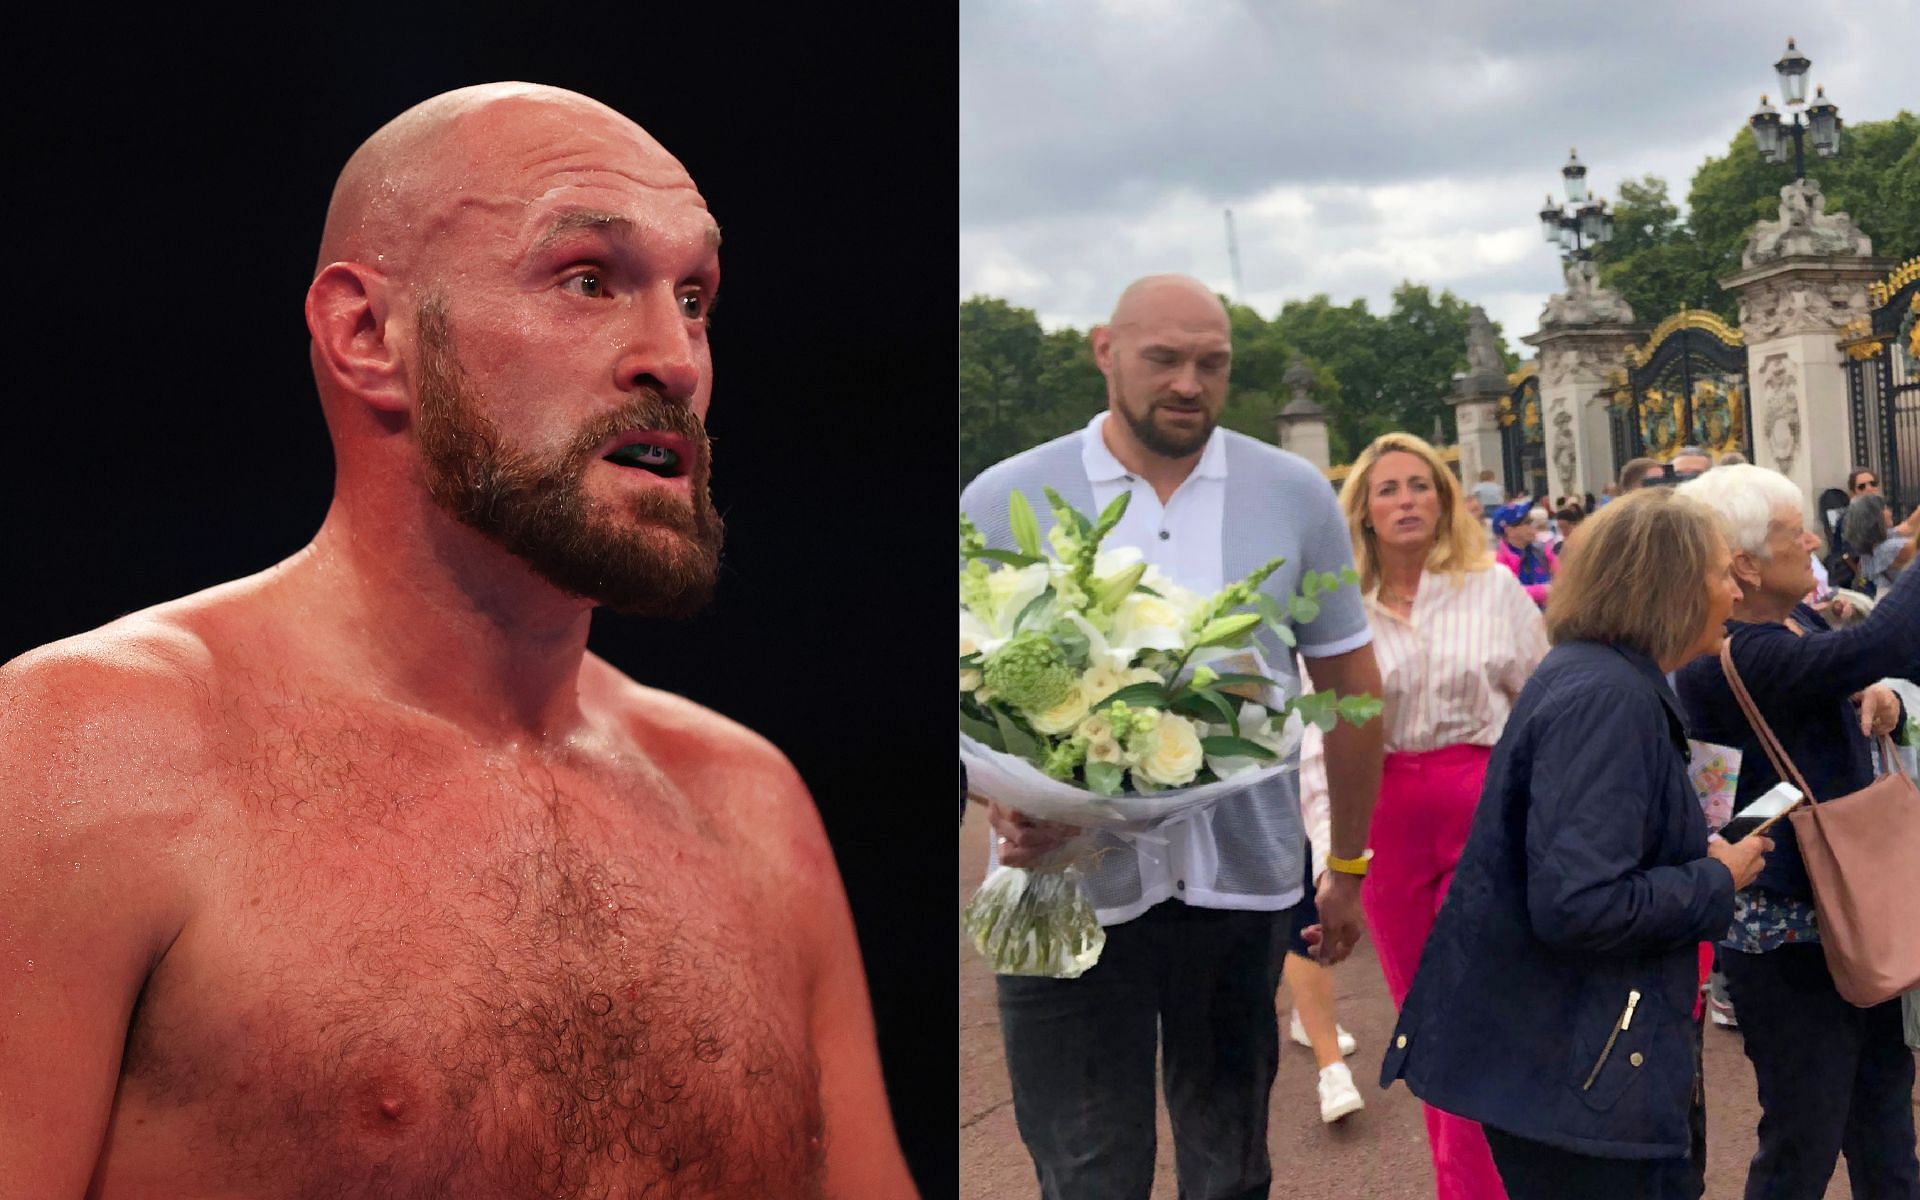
x=167, y=185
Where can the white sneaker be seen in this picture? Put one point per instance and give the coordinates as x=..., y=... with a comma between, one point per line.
x=1338, y=1097
x=1299, y=1034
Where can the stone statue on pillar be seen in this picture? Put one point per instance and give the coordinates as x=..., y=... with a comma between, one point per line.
x=1805, y=227
x=1585, y=302
x=1483, y=347
x=1803, y=277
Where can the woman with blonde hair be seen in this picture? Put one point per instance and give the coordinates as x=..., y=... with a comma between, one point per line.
x=1555, y=1000
x=1456, y=638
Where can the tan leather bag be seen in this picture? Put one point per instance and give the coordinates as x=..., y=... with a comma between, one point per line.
x=1862, y=852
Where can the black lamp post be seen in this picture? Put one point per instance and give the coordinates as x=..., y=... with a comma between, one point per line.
x=1576, y=232
x=1823, y=117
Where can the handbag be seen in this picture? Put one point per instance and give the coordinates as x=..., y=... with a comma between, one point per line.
x=1862, y=853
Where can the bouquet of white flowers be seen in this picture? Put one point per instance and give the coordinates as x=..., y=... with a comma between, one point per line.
x=1092, y=693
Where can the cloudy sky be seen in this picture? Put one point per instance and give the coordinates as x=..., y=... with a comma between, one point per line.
x=1357, y=143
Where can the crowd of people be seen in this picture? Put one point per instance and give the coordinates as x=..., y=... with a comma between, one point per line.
x=1534, y=863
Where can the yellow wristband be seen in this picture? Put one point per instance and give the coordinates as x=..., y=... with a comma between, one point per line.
x=1350, y=866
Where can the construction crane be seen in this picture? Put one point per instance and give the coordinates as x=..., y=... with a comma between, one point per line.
x=1233, y=257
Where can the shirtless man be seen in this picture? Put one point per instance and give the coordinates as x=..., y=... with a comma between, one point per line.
x=360, y=877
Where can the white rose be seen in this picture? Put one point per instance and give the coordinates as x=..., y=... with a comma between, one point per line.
x=1170, y=753
x=1144, y=622
x=1189, y=603
x=1096, y=728
x=1106, y=750
x=1063, y=716
x=1101, y=681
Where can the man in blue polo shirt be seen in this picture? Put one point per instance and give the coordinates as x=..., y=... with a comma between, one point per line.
x=1197, y=919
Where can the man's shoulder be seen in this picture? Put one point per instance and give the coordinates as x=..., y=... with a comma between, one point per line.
x=143, y=674
x=100, y=734
x=1049, y=464
x=1268, y=462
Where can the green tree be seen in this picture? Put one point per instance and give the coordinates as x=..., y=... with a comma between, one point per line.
x=1019, y=385
x=1423, y=343
x=1342, y=339
x=1653, y=261
x=999, y=364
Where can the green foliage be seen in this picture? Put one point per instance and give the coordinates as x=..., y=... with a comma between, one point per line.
x=1019, y=385
x=1660, y=262
x=1653, y=261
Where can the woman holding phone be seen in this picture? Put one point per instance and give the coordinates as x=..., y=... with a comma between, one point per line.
x=1831, y=1076
x=1554, y=1002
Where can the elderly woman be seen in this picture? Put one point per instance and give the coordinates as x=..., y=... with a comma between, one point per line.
x=1456, y=638
x=1831, y=1076
x=1554, y=1002
x=1518, y=547
x=1883, y=548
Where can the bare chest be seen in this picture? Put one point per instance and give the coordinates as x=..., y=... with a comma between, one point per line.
x=428, y=974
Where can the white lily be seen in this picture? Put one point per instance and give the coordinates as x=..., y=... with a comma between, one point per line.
x=1009, y=590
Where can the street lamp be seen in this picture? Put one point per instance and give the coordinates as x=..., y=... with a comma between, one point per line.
x=1823, y=117
x=1576, y=232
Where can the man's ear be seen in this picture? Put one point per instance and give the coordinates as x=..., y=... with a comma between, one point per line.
x=348, y=316
x=1102, y=339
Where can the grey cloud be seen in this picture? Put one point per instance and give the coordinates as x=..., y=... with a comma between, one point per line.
x=1073, y=106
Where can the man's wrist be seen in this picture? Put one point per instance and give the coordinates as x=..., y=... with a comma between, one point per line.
x=1355, y=867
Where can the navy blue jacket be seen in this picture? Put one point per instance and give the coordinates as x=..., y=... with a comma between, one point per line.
x=1584, y=889
x=1802, y=687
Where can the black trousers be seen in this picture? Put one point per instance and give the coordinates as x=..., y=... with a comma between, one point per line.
x=1535, y=1171
x=1197, y=982
x=1832, y=1078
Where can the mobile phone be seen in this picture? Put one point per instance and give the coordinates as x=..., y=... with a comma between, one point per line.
x=1756, y=817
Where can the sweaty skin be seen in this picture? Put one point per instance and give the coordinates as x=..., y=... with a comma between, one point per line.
x=360, y=877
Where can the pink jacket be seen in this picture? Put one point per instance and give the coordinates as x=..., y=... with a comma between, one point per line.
x=1509, y=558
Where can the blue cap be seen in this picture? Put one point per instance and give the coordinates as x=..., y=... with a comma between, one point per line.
x=1512, y=514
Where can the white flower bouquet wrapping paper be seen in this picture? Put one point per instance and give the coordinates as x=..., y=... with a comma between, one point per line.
x=1098, y=693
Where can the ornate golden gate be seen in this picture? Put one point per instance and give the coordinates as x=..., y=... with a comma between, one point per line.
x=1523, y=439
x=1883, y=386
x=1686, y=386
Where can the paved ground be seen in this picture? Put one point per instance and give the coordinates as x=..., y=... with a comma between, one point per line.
x=1380, y=1153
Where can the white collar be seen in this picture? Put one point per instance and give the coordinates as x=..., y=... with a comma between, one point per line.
x=1101, y=466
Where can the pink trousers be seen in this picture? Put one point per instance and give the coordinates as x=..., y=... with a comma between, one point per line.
x=1419, y=828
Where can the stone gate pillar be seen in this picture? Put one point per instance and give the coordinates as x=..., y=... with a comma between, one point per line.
x=1802, y=277
x=1302, y=424
x=1476, y=404
x=1585, y=332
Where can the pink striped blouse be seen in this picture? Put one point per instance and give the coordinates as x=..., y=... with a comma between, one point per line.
x=1450, y=672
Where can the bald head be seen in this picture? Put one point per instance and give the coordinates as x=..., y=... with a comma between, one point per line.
x=465, y=149
x=1166, y=355
x=1179, y=298
x=562, y=251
